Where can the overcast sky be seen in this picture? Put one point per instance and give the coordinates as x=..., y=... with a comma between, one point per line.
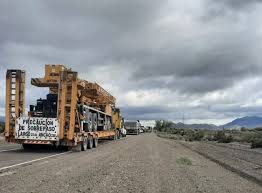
x=159, y=58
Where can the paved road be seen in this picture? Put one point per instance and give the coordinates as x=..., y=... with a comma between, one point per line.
x=143, y=163
x=7, y=147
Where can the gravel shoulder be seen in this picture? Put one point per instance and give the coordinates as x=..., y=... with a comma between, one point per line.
x=246, y=162
x=5, y=146
x=144, y=163
x=2, y=139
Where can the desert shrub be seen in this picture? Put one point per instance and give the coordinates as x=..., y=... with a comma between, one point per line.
x=228, y=139
x=243, y=129
x=256, y=143
x=2, y=128
x=258, y=129
x=188, y=134
x=210, y=136
x=221, y=137
x=184, y=161
x=199, y=135
x=162, y=125
x=248, y=136
x=195, y=135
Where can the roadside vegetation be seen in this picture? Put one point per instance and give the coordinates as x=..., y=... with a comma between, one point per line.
x=2, y=127
x=244, y=135
x=184, y=161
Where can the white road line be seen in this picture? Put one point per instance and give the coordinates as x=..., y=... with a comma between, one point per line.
x=10, y=150
x=35, y=160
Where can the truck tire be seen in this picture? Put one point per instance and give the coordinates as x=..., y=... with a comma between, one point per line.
x=95, y=142
x=27, y=147
x=114, y=137
x=90, y=142
x=119, y=135
x=94, y=122
x=77, y=148
x=84, y=144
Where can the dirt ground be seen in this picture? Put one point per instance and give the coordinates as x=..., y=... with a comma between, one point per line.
x=2, y=139
x=144, y=163
x=247, y=162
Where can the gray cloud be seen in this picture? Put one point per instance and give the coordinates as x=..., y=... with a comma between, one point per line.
x=216, y=67
x=146, y=113
x=228, y=8
x=136, y=46
x=236, y=4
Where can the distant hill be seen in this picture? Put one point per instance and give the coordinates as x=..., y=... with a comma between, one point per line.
x=248, y=122
x=194, y=126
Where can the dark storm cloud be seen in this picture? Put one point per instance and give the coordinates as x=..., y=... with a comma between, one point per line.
x=77, y=22
x=82, y=34
x=98, y=33
x=217, y=67
x=228, y=8
x=143, y=45
x=235, y=4
x=232, y=110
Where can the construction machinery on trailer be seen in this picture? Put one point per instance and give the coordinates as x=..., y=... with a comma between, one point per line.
x=76, y=113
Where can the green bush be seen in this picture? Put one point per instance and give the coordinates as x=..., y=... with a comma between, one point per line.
x=256, y=143
x=258, y=129
x=2, y=128
x=199, y=135
x=162, y=125
x=221, y=137
x=184, y=161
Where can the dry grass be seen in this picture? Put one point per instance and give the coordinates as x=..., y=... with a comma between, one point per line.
x=184, y=161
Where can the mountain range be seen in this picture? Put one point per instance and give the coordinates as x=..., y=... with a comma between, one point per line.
x=195, y=126
x=247, y=122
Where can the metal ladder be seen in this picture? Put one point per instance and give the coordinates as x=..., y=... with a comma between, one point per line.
x=67, y=96
x=15, y=99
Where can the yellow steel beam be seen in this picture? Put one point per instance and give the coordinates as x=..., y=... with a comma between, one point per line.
x=71, y=130
x=7, y=103
x=62, y=103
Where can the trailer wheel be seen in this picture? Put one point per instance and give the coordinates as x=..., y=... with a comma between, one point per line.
x=78, y=147
x=95, y=140
x=118, y=134
x=84, y=144
x=26, y=147
x=115, y=137
x=90, y=142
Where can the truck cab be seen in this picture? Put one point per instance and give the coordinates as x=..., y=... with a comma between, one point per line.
x=132, y=127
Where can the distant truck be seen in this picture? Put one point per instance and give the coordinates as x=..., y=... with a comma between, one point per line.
x=132, y=127
x=148, y=129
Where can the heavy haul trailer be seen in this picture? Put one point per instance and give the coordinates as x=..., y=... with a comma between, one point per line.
x=76, y=113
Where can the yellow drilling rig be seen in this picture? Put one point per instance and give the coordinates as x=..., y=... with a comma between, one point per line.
x=76, y=113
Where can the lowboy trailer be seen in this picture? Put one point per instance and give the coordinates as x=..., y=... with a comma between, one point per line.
x=76, y=113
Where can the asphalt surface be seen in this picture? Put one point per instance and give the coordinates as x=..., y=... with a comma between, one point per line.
x=144, y=163
x=6, y=147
